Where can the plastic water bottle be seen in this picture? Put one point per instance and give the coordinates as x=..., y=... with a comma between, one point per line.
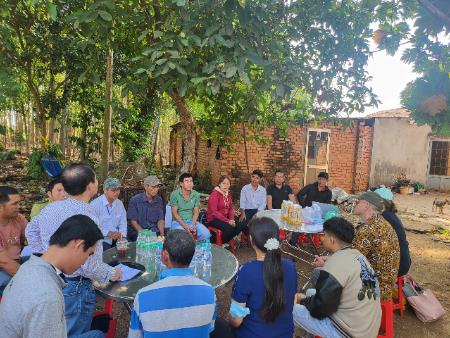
x=199, y=260
x=140, y=245
x=207, y=261
x=158, y=261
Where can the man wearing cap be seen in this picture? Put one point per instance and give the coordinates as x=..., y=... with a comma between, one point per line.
x=375, y=239
x=145, y=210
x=111, y=213
x=315, y=192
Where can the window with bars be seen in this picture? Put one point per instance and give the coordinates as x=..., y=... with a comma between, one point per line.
x=440, y=158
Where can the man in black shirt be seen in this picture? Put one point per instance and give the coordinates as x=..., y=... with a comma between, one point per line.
x=315, y=192
x=278, y=192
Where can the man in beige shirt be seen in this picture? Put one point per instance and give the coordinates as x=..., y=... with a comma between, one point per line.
x=346, y=298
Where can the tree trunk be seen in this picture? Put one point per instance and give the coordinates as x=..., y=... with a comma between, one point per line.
x=27, y=130
x=244, y=137
x=63, y=130
x=189, y=156
x=51, y=132
x=107, y=117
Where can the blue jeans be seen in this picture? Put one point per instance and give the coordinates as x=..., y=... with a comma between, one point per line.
x=6, y=277
x=90, y=334
x=4, y=280
x=79, y=299
x=318, y=327
x=202, y=231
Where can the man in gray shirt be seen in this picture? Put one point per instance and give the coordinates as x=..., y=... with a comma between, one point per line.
x=33, y=304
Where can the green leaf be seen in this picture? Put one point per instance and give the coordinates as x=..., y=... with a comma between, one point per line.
x=165, y=69
x=180, y=69
x=157, y=34
x=230, y=71
x=161, y=61
x=174, y=54
x=182, y=89
x=211, y=30
x=181, y=3
x=280, y=90
x=140, y=71
x=196, y=40
x=197, y=80
x=105, y=15
x=51, y=9
x=171, y=65
x=143, y=35
x=244, y=77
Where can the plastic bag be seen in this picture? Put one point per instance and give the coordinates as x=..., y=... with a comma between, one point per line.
x=312, y=215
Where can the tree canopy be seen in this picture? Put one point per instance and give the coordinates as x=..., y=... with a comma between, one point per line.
x=222, y=63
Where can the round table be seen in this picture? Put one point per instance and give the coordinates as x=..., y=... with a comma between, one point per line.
x=275, y=214
x=309, y=232
x=224, y=267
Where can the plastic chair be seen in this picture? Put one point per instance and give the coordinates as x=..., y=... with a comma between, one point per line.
x=112, y=324
x=387, y=320
x=51, y=166
x=218, y=234
x=399, y=302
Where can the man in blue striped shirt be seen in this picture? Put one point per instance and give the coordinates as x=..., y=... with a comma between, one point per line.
x=179, y=305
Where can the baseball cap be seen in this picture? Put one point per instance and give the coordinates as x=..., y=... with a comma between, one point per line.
x=385, y=193
x=373, y=198
x=323, y=174
x=152, y=181
x=111, y=183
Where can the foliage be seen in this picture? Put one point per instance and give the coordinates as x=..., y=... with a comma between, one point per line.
x=428, y=97
x=203, y=183
x=34, y=167
x=8, y=155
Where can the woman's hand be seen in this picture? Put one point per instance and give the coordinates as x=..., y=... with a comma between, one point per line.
x=299, y=297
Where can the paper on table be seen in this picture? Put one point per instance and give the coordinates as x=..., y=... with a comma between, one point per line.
x=127, y=272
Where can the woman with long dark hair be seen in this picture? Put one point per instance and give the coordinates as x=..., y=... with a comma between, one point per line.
x=264, y=290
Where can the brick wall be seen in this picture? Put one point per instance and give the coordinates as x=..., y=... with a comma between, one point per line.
x=288, y=154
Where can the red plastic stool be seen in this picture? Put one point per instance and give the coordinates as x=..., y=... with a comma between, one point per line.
x=219, y=242
x=398, y=302
x=112, y=325
x=387, y=320
x=282, y=234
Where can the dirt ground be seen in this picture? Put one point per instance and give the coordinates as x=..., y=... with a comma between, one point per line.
x=430, y=254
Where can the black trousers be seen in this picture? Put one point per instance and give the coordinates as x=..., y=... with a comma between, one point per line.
x=249, y=213
x=221, y=329
x=228, y=231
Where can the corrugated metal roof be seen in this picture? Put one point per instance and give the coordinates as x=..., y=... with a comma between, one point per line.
x=398, y=112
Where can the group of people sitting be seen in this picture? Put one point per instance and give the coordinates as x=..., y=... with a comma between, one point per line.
x=52, y=293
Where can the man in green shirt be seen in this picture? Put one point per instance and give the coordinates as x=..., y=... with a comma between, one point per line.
x=55, y=192
x=185, y=203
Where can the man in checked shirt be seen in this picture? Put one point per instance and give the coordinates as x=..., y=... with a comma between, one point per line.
x=81, y=185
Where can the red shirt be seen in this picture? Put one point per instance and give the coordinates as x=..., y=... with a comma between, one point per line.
x=220, y=207
x=12, y=235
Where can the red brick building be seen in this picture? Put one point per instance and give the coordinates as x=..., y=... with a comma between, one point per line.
x=343, y=152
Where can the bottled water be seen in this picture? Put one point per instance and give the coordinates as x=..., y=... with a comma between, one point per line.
x=207, y=260
x=158, y=261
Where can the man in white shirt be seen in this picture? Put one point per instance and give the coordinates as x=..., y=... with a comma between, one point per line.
x=111, y=213
x=253, y=199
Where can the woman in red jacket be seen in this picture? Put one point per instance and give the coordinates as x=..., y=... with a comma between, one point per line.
x=220, y=213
